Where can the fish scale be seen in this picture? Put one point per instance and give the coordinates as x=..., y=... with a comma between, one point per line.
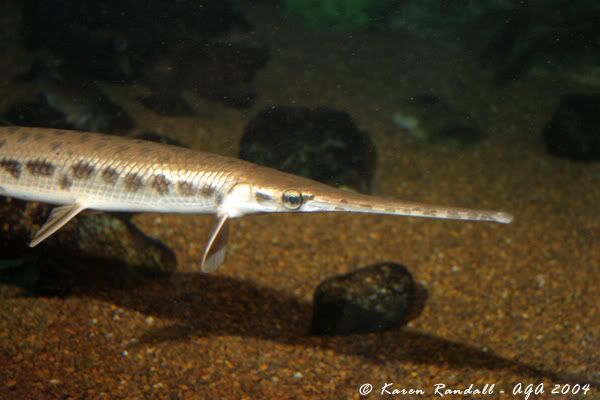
x=136, y=163
x=84, y=170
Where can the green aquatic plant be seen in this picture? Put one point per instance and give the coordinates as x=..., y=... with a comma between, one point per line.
x=339, y=15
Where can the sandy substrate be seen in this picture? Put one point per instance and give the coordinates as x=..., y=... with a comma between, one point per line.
x=507, y=304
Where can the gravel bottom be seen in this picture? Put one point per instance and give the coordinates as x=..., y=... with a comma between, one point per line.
x=507, y=304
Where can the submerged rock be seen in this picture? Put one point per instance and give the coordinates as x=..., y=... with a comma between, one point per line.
x=67, y=104
x=496, y=52
x=35, y=114
x=214, y=71
x=536, y=39
x=105, y=235
x=372, y=299
x=116, y=40
x=321, y=144
x=543, y=38
x=159, y=138
x=430, y=119
x=102, y=242
x=574, y=131
x=108, y=118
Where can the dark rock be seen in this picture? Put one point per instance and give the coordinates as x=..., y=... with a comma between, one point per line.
x=67, y=104
x=543, y=38
x=17, y=217
x=101, y=247
x=430, y=119
x=321, y=144
x=499, y=48
x=114, y=41
x=372, y=299
x=509, y=54
x=168, y=45
x=574, y=131
x=159, y=138
x=214, y=71
x=99, y=114
x=105, y=235
x=566, y=44
x=167, y=102
x=35, y=114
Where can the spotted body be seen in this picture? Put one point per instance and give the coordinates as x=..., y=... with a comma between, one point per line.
x=83, y=170
x=110, y=172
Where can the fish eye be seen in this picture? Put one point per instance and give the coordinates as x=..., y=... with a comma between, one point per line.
x=292, y=199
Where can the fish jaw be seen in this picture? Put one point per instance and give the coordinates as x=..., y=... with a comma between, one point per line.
x=265, y=190
x=336, y=200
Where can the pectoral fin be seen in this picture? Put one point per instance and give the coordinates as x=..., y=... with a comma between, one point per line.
x=57, y=218
x=214, y=254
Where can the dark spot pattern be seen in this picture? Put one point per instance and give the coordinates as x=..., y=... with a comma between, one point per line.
x=99, y=145
x=365, y=205
x=207, y=191
x=144, y=150
x=84, y=137
x=219, y=199
x=161, y=184
x=39, y=136
x=262, y=197
x=65, y=182
x=23, y=137
x=82, y=170
x=122, y=147
x=40, y=168
x=55, y=146
x=186, y=189
x=13, y=167
x=133, y=182
x=2, y=143
x=110, y=175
